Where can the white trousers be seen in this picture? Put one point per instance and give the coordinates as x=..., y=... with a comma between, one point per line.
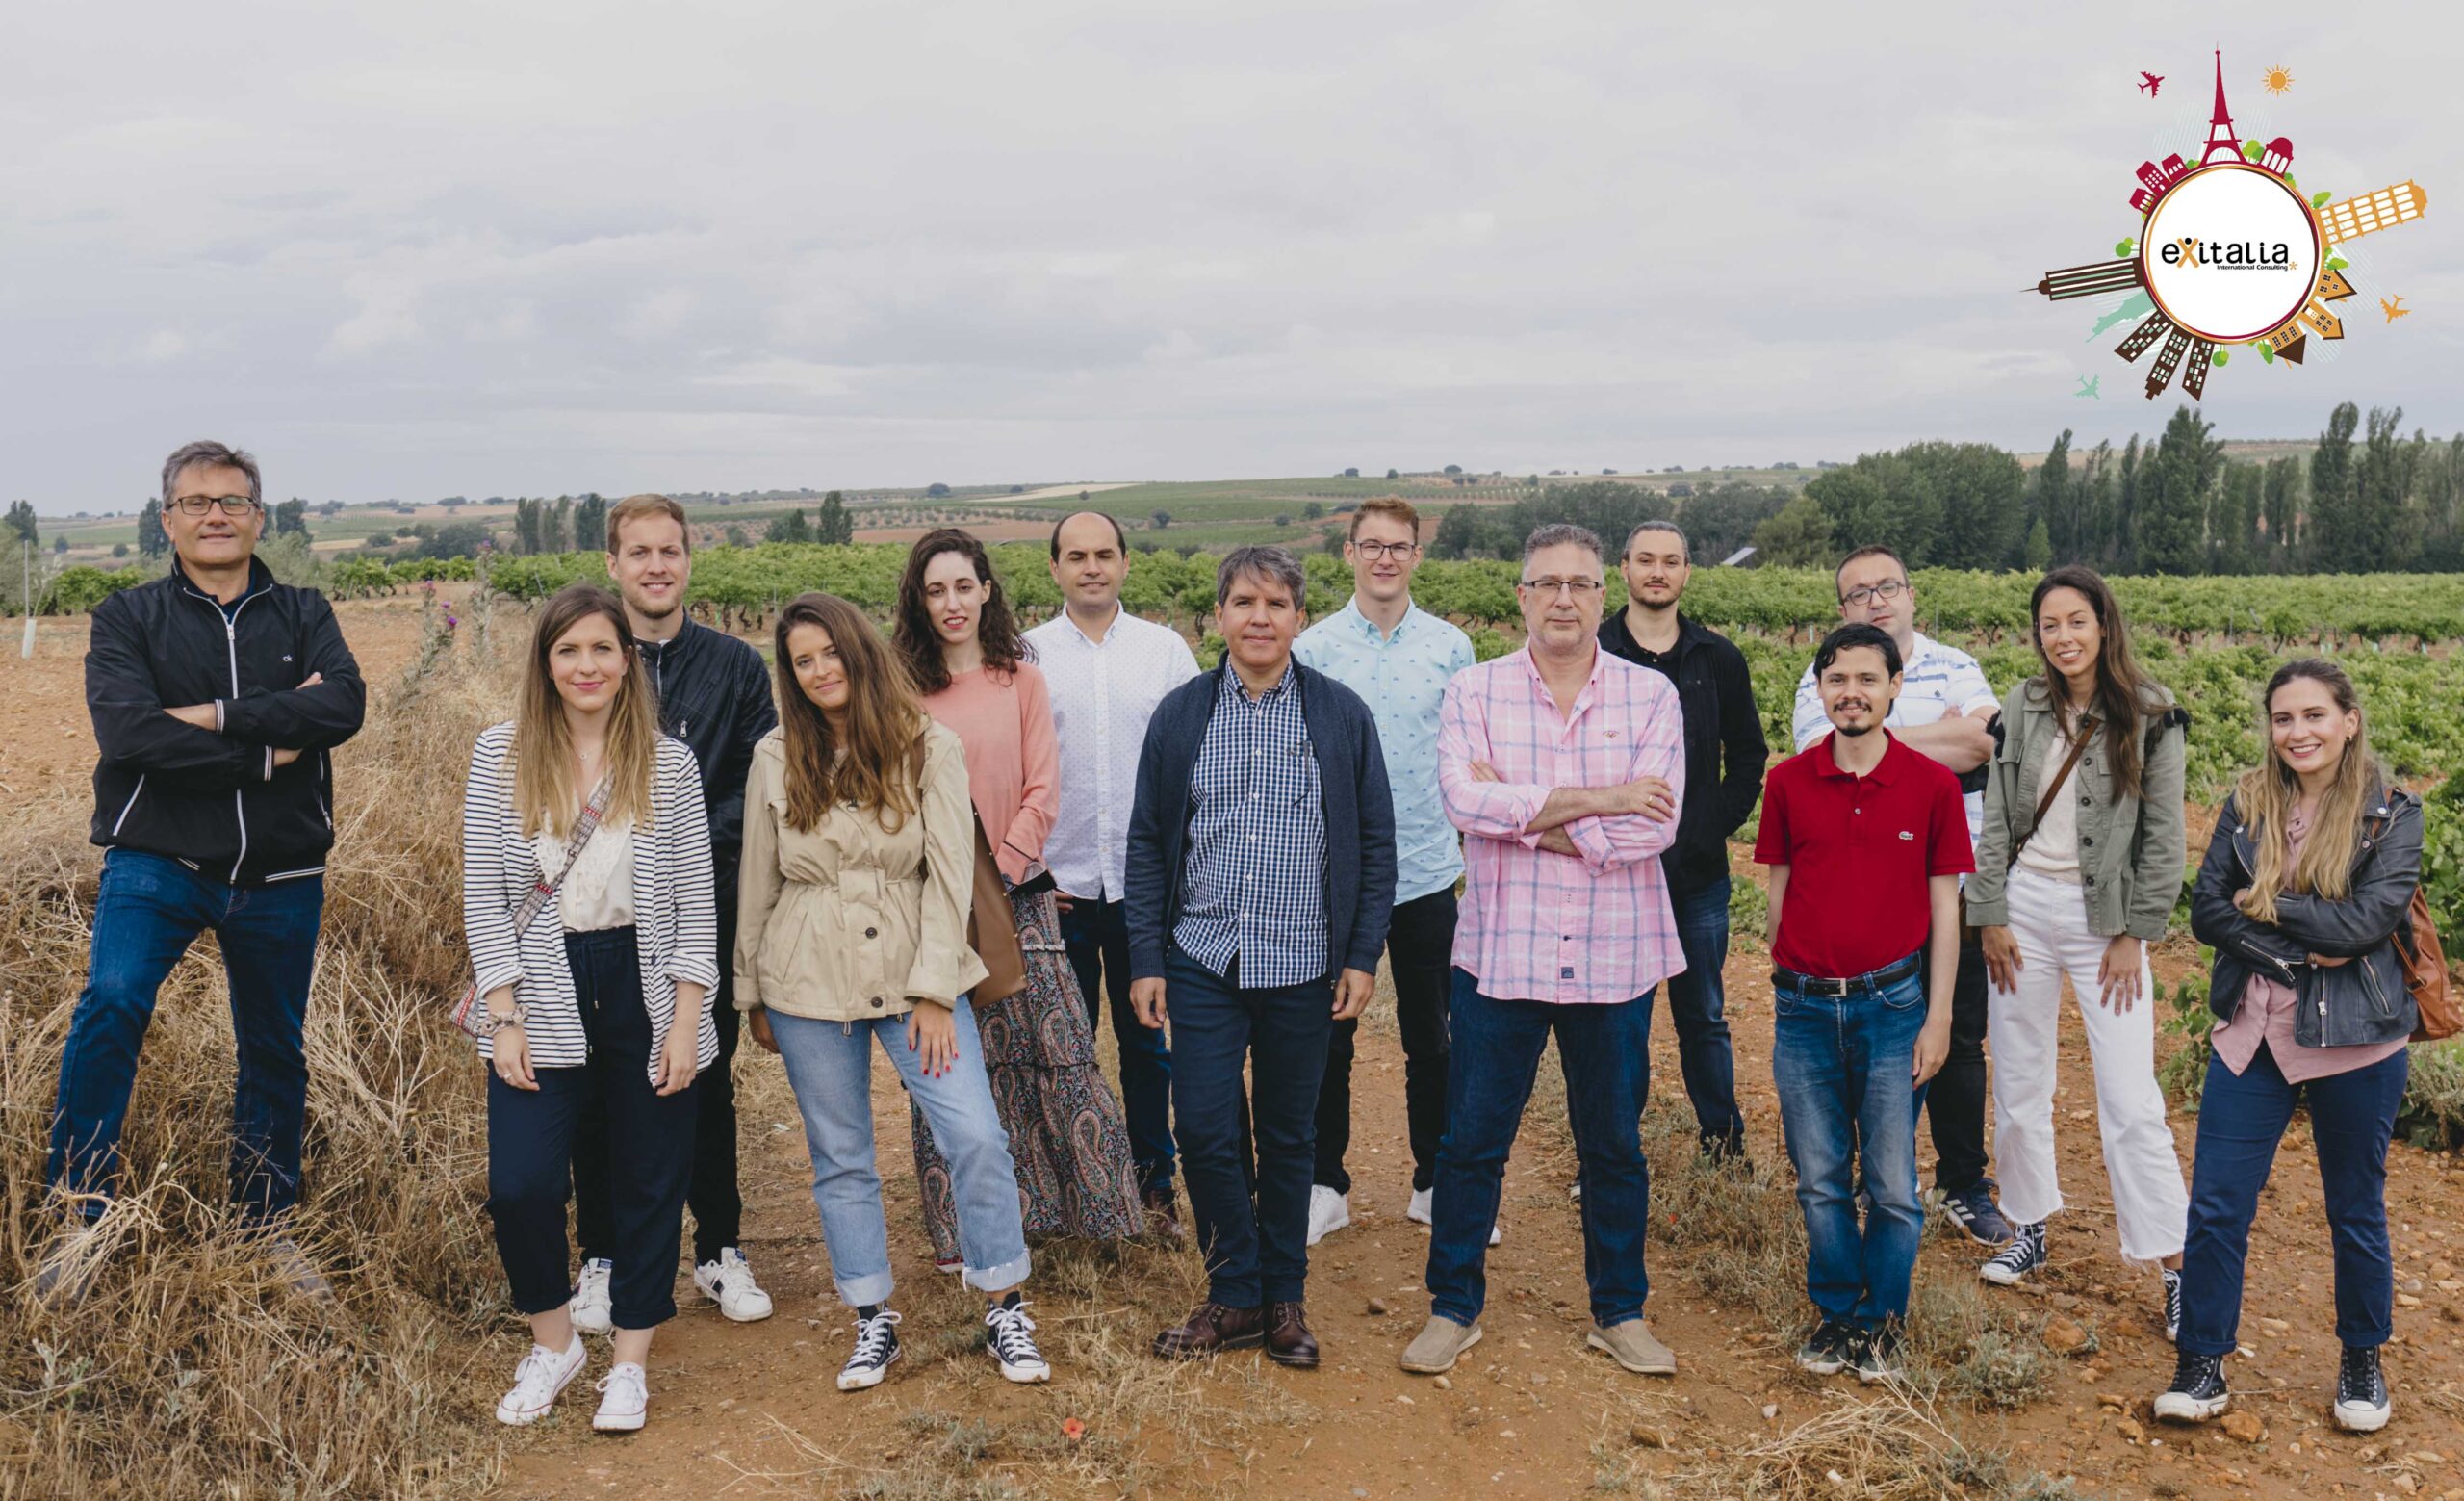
x=2150, y=1205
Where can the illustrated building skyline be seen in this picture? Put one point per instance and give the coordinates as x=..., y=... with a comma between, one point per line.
x=2385, y=209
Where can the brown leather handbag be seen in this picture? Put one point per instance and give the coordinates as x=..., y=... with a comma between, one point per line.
x=2423, y=959
x=990, y=930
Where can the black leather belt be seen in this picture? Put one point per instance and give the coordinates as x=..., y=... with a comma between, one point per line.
x=1812, y=984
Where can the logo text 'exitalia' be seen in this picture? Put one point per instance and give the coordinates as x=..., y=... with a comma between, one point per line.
x=2227, y=254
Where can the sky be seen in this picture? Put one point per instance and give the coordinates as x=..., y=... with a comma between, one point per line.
x=450, y=248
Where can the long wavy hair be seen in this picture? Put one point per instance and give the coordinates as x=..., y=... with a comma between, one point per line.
x=919, y=644
x=546, y=796
x=868, y=758
x=2266, y=793
x=2123, y=693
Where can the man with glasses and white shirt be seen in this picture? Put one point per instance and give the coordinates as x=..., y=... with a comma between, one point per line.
x=1106, y=670
x=1946, y=710
x=215, y=694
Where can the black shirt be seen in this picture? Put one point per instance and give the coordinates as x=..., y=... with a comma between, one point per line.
x=1725, y=751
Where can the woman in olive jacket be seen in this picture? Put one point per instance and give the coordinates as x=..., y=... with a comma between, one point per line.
x=2077, y=868
x=2308, y=880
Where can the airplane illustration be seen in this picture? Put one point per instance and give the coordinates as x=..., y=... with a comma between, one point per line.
x=2088, y=387
x=2393, y=308
x=2154, y=81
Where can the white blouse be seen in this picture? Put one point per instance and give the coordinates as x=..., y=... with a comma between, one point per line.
x=598, y=891
x=2053, y=849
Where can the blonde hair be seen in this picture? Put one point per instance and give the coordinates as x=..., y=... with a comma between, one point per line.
x=633, y=508
x=2267, y=794
x=546, y=797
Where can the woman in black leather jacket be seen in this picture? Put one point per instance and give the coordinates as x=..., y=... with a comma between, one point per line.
x=2308, y=879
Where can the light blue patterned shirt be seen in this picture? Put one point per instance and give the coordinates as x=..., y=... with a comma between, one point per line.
x=1402, y=678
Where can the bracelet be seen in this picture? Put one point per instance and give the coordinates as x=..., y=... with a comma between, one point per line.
x=497, y=1023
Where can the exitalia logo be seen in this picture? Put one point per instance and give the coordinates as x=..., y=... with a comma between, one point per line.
x=2192, y=252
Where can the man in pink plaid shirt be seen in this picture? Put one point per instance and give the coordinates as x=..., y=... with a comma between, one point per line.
x=1565, y=768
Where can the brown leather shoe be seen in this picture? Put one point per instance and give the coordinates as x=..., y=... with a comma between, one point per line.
x=1289, y=1341
x=1212, y=1327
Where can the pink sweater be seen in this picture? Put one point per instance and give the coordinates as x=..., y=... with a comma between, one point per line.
x=1013, y=759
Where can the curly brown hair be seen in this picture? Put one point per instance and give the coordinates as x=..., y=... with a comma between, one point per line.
x=919, y=644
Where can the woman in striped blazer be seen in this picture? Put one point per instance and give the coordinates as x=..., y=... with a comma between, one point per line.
x=603, y=999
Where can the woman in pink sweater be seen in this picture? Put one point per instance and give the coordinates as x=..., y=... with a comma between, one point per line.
x=1066, y=1131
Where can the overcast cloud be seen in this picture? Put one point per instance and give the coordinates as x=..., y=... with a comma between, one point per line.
x=436, y=249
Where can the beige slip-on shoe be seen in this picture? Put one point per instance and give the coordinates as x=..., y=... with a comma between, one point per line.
x=1633, y=1345
x=1440, y=1343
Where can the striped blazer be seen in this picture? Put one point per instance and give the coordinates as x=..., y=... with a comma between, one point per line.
x=675, y=910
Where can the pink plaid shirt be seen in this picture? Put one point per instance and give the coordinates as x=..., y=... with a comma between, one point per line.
x=1538, y=925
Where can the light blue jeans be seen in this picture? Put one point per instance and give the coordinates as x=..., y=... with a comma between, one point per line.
x=829, y=1065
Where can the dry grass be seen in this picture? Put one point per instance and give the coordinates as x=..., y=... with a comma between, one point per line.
x=1894, y=1449
x=187, y=1369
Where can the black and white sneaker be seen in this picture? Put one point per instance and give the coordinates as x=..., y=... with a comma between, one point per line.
x=876, y=1352
x=2172, y=1301
x=2016, y=1261
x=1829, y=1349
x=1876, y=1358
x=1012, y=1341
x=2361, y=1392
x=2198, y=1393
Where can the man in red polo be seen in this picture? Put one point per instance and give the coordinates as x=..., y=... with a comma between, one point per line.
x=1866, y=840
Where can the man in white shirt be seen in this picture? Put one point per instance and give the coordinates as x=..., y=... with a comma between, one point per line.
x=1106, y=670
x=1945, y=708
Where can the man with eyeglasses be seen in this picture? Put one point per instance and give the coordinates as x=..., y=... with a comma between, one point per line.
x=1398, y=658
x=1565, y=768
x=216, y=695
x=1944, y=710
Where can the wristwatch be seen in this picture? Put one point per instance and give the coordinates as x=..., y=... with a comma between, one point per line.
x=497, y=1023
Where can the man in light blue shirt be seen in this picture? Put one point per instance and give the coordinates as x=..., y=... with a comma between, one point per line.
x=1398, y=658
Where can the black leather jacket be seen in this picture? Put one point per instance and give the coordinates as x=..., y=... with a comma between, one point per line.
x=2343, y=1005
x=714, y=695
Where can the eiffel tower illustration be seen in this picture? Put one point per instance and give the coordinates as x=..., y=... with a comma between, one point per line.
x=2220, y=137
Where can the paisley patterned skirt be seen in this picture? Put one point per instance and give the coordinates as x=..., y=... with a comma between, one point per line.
x=1067, y=1137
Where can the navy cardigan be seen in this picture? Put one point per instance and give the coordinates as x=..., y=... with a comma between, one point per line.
x=1359, y=813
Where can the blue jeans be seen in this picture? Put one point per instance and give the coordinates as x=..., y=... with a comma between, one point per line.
x=1256, y=1253
x=1605, y=1053
x=829, y=1065
x=1842, y=1065
x=1097, y=935
x=149, y=911
x=1697, y=1006
x=2241, y=1119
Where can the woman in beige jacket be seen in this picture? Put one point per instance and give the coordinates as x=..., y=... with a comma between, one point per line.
x=858, y=869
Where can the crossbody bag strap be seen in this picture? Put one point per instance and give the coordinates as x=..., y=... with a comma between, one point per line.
x=2044, y=801
x=545, y=890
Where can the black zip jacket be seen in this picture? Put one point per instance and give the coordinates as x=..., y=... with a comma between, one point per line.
x=215, y=801
x=1724, y=745
x=714, y=695
x=2342, y=1005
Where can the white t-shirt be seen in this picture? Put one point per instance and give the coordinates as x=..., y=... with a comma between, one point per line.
x=1936, y=681
x=597, y=892
x=2053, y=849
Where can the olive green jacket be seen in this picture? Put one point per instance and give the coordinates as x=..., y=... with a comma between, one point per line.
x=2130, y=848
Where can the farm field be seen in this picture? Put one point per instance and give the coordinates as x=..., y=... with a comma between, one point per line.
x=2020, y=1396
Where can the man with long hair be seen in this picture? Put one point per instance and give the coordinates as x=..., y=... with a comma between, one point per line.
x=216, y=695
x=713, y=694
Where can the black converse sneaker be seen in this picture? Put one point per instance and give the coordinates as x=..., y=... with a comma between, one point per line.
x=2361, y=1392
x=875, y=1351
x=1011, y=1339
x=2172, y=1301
x=2016, y=1260
x=1877, y=1357
x=2197, y=1392
x=1829, y=1349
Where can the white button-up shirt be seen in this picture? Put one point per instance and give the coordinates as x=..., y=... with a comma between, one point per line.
x=1104, y=689
x=1935, y=682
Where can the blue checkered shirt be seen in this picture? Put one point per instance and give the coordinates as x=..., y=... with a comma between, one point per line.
x=1253, y=885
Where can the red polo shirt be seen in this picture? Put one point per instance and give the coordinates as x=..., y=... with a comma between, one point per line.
x=1861, y=853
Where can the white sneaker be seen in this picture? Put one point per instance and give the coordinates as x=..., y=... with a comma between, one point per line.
x=1423, y=1210
x=591, y=1310
x=729, y=1283
x=1328, y=1211
x=625, y=1397
x=536, y=1382
x=1013, y=1343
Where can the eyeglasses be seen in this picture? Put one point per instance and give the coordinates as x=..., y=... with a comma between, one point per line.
x=1379, y=552
x=1887, y=590
x=1580, y=588
x=233, y=506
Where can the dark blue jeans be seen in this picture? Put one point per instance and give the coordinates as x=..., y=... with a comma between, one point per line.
x=1842, y=1065
x=1255, y=1255
x=2241, y=1119
x=1097, y=935
x=1698, y=1008
x=1607, y=1055
x=149, y=911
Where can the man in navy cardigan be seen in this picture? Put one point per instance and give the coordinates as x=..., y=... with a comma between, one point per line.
x=1262, y=816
